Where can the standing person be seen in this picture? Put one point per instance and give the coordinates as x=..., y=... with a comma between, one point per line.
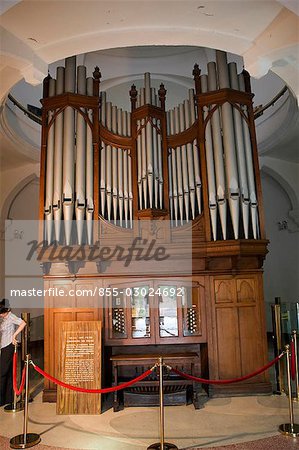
x=10, y=327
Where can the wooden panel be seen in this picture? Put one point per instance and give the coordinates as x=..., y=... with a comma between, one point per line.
x=79, y=365
x=250, y=341
x=224, y=291
x=246, y=290
x=86, y=294
x=61, y=297
x=86, y=315
x=229, y=364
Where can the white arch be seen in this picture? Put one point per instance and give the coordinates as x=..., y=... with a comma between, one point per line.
x=288, y=189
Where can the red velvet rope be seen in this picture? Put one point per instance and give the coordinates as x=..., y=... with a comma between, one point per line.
x=93, y=391
x=232, y=380
x=293, y=360
x=14, y=376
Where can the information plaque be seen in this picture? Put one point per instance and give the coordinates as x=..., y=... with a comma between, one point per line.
x=79, y=365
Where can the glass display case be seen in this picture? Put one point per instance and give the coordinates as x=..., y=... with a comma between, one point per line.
x=154, y=311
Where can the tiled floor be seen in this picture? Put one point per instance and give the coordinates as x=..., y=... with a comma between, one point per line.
x=239, y=423
x=272, y=443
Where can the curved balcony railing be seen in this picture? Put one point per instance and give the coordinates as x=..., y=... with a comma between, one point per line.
x=28, y=113
x=258, y=110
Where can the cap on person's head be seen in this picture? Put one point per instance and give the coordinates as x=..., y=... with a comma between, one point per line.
x=4, y=306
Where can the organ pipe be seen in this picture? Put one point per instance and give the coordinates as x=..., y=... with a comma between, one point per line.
x=174, y=170
x=114, y=166
x=120, y=169
x=210, y=163
x=240, y=152
x=69, y=150
x=58, y=151
x=229, y=144
x=179, y=167
x=218, y=152
x=190, y=162
x=195, y=153
x=80, y=158
x=103, y=157
x=249, y=165
x=89, y=171
x=109, y=163
x=50, y=170
x=125, y=165
x=181, y=127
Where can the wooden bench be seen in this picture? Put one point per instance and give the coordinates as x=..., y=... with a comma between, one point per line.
x=145, y=392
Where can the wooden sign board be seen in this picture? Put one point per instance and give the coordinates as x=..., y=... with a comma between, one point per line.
x=79, y=364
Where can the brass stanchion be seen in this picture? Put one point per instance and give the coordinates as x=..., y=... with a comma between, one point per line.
x=162, y=445
x=26, y=439
x=289, y=429
x=15, y=406
x=294, y=336
x=279, y=367
x=25, y=340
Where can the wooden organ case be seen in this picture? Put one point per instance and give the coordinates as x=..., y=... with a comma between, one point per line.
x=109, y=175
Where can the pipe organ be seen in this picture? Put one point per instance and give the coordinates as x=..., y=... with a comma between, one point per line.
x=149, y=158
x=104, y=170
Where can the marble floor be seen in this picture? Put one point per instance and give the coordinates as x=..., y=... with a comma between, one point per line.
x=222, y=422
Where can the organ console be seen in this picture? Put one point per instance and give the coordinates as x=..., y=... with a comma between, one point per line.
x=104, y=170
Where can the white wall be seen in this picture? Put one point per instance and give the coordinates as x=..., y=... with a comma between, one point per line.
x=281, y=276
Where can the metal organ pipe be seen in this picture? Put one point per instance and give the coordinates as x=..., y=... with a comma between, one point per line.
x=149, y=144
x=240, y=150
x=114, y=167
x=80, y=157
x=249, y=165
x=195, y=153
x=229, y=144
x=174, y=170
x=210, y=162
x=109, y=162
x=184, y=163
x=103, y=156
x=143, y=154
x=125, y=167
x=190, y=160
x=50, y=170
x=128, y=114
x=58, y=151
x=69, y=150
x=139, y=160
x=179, y=166
x=169, y=162
x=218, y=151
x=89, y=170
x=155, y=154
x=120, y=169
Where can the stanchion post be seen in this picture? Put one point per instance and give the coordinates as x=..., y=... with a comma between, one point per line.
x=25, y=440
x=289, y=429
x=294, y=335
x=162, y=445
x=15, y=406
x=25, y=338
x=276, y=319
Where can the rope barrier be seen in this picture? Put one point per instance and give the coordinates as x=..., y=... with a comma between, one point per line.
x=93, y=391
x=14, y=370
x=232, y=380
